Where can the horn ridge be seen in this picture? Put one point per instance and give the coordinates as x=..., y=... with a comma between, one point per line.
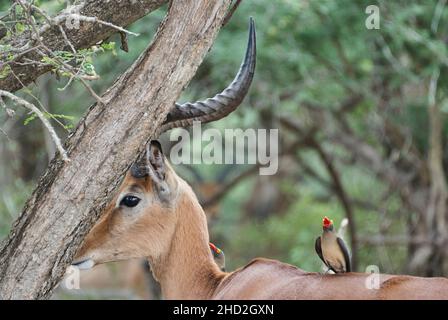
x=223, y=103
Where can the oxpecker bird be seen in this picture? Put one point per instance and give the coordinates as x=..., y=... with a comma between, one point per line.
x=331, y=249
x=218, y=256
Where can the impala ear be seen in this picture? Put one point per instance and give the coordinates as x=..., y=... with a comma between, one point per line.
x=153, y=165
x=156, y=168
x=155, y=159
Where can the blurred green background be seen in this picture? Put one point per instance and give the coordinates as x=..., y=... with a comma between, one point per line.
x=314, y=58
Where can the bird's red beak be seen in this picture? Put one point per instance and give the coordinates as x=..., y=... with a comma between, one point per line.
x=214, y=248
x=326, y=222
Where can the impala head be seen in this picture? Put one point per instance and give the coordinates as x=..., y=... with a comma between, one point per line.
x=141, y=219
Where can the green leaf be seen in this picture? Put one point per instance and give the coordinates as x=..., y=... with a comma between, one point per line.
x=20, y=27
x=88, y=68
x=108, y=46
x=5, y=71
x=62, y=116
x=29, y=119
x=52, y=116
x=18, y=9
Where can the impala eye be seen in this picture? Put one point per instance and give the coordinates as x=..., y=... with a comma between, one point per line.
x=130, y=201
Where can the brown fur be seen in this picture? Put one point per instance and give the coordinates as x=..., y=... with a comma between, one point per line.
x=174, y=238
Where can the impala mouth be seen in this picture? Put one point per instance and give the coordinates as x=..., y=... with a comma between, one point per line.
x=84, y=264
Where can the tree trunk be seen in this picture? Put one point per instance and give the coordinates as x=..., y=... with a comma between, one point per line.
x=70, y=196
x=121, y=13
x=429, y=259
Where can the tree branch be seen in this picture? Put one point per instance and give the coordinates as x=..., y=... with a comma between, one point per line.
x=89, y=33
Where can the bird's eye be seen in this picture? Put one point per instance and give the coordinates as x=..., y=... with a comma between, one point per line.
x=130, y=201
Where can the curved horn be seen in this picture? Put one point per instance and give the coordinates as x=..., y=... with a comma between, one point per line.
x=183, y=115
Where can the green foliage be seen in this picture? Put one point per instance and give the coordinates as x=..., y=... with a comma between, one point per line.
x=52, y=116
x=82, y=60
x=4, y=71
x=109, y=46
x=20, y=28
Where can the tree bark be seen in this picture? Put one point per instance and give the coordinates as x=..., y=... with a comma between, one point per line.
x=121, y=13
x=70, y=196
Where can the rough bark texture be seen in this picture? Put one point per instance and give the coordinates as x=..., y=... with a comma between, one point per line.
x=121, y=13
x=70, y=196
x=432, y=258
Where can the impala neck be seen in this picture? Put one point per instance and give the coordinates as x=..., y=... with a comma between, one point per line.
x=188, y=270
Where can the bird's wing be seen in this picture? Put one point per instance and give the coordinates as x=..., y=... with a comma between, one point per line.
x=348, y=265
x=319, y=250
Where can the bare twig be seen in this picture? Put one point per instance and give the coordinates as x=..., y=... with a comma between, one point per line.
x=42, y=118
x=93, y=20
x=66, y=39
x=92, y=92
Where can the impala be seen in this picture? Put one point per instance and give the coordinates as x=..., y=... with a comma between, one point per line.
x=156, y=215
